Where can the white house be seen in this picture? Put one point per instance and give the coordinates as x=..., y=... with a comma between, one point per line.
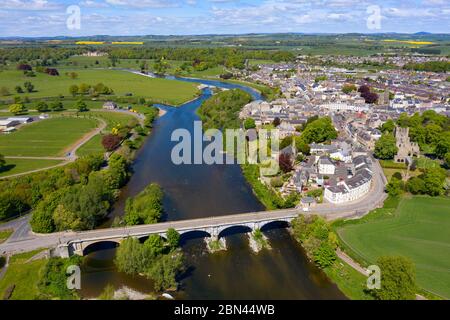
x=351, y=189
x=326, y=166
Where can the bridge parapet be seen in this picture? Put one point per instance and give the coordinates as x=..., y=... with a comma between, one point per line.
x=214, y=227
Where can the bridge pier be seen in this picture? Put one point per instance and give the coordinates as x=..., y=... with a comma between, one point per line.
x=214, y=243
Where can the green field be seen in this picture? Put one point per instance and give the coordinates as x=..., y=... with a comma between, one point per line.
x=49, y=137
x=418, y=230
x=160, y=90
x=24, y=275
x=112, y=119
x=15, y=166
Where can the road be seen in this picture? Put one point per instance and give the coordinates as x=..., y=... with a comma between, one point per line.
x=24, y=240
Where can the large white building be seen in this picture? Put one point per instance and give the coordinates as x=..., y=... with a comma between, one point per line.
x=356, y=185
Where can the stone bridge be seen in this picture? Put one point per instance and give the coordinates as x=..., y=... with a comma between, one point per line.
x=213, y=227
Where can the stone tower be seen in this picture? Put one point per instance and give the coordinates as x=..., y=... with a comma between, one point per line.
x=406, y=148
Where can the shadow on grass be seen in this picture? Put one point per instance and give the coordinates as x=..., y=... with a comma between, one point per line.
x=7, y=168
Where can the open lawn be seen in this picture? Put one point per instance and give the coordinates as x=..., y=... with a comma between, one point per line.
x=51, y=137
x=159, y=90
x=24, y=275
x=418, y=230
x=112, y=119
x=15, y=166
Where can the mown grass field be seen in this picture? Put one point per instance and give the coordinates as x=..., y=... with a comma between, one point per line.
x=15, y=166
x=46, y=138
x=112, y=119
x=160, y=90
x=418, y=230
x=24, y=275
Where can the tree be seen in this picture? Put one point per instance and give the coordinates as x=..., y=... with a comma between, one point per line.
x=130, y=257
x=110, y=142
x=324, y=255
x=319, y=130
x=173, y=238
x=24, y=67
x=416, y=185
x=18, y=89
x=249, y=123
x=81, y=106
x=42, y=106
x=394, y=187
x=364, y=89
x=398, y=279
x=386, y=147
x=17, y=108
x=83, y=88
x=73, y=90
x=434, y=179
x=285, y=162
x=276, y=122
x=443, y=145
x=302, y=146
x=146, y=207
x=57, y=105
x=287, y=141
x=347, y=88
x=165, y=270
x=370, y=97
x=388, y=126
x=73, y=75
x=52, y=72
x=154, y=246
x=28, y=86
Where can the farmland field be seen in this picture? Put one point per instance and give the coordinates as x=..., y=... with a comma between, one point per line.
x=418, y=230
x=46, y=138
x=15, y=166
x=160, y=90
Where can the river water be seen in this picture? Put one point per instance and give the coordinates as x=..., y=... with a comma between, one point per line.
x=193, y=191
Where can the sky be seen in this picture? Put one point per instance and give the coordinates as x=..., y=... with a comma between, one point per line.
x=51, y=18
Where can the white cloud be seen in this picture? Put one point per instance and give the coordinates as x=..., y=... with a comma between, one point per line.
x=28, y=5
x=144, y=3
x=93, y=4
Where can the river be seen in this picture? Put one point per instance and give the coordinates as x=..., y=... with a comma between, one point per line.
x=193, y=191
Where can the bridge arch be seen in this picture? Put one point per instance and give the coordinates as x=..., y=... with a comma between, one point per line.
x=277, y=224
x=100, y=245
x=231, y=230
x=193, y=234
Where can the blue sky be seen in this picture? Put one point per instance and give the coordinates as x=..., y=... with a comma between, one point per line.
x=181, y=17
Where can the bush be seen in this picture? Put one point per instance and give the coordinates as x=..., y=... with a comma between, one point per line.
x=54, y=280
x=276, y=182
